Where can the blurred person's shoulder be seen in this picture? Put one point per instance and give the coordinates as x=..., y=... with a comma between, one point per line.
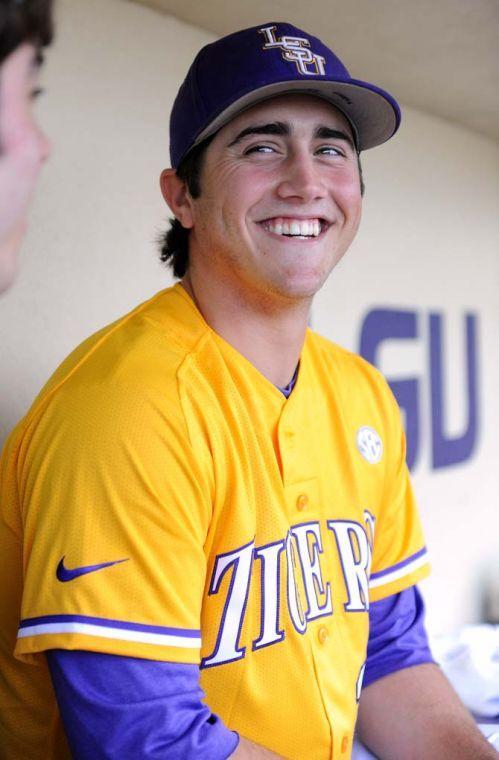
x=130, y=363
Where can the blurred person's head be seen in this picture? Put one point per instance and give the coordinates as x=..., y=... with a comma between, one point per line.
x=25, y=28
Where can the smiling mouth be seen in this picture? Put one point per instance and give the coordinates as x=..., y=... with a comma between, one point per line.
x=298, y=229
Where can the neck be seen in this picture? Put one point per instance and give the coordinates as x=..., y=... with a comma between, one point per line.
x=269, y=334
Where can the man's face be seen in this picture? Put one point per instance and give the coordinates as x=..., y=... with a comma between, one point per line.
x=23, y=148
x=280, y=199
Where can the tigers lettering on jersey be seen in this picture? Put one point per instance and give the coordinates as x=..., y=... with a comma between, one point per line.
x=305, y=542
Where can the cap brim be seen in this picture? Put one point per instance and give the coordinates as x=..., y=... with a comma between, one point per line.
x=372, y=112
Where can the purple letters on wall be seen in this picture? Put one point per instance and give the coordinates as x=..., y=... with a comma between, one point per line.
x=381, y=325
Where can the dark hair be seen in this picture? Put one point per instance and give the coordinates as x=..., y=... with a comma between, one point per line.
x=174, y=243
x=24, y=21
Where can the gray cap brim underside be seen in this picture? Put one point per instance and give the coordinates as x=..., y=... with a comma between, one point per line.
x=372, y=117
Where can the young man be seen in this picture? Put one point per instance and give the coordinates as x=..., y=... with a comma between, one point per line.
x=220, y=542
x=25, y=28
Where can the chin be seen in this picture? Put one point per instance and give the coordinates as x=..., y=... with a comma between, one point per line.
x=298, y=289
x=303, y=283
x=9, y=260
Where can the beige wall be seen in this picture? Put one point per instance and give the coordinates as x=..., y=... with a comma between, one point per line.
x=428, y=242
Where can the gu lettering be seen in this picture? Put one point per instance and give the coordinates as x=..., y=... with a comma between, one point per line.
x=307, y=593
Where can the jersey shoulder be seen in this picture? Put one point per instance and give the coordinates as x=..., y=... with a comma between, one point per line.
x=347, y=369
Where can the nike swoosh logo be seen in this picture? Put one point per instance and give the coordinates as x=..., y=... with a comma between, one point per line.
x=65, y=574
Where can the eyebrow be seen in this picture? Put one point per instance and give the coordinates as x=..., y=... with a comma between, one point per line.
x=273, y=128
x=280, y=128
x=38, y=58
x=326, y=133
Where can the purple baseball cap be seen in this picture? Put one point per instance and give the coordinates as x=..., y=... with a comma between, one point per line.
x=246, y=67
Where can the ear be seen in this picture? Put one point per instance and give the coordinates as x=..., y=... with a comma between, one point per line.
x=177, y=196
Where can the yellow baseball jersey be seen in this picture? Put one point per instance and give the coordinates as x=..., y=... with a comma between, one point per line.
x=162, y=499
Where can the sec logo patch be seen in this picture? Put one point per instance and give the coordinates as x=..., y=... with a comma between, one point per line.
x=369, y=444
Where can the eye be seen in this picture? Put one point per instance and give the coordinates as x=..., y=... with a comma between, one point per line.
x=330, y=150
x=259, y=149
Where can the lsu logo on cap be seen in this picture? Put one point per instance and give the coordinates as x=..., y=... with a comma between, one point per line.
x=369, y=444
x=296, y=50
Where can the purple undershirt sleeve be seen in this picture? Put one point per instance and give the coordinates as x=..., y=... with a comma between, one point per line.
x=397, y=636
x=114, y=706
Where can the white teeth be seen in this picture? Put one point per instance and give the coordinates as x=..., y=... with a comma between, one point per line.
x=303, y=228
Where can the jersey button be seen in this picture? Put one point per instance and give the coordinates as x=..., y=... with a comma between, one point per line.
x=302, y=501
x=323, y=634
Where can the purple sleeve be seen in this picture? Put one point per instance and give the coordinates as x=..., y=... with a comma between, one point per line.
x=397, y=636
x=114, y=706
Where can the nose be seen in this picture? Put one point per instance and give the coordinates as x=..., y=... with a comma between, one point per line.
x=301, y=179
x=44, y=145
